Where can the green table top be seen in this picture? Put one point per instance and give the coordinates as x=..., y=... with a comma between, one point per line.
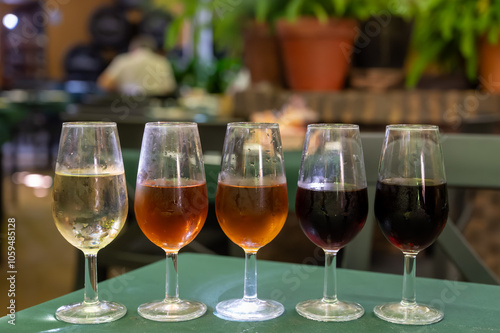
x=468, y=307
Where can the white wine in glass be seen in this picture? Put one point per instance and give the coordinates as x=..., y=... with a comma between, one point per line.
x=88, y=210
x=90, y=207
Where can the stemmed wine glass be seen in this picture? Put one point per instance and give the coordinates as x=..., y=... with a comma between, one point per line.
x=89, y=207
x=251, y=206
x=171, y=206
x=332, y=205
x=411, y=207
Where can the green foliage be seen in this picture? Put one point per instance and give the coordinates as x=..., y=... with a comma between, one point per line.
x=322, y=9
x=190, y=8
x=214, y=77
x=446, y=32
x=230, y=17
x=230, y=21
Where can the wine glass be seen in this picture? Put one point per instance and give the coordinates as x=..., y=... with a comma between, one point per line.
x=332, y=205
x=89, y=207
x=171, y=206
x=251, y=205
x=411, y=207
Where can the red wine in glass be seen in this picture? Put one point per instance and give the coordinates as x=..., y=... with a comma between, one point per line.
x=411, y=216
x=411, y=207
x=331, y=205
x=331, y=217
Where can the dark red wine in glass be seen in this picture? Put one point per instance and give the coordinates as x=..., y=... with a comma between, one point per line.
x=411, y=216
x=411, y=208
x=331, y=205
x=331, y=218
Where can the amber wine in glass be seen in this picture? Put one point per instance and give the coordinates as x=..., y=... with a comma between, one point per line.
x=171, y=205
x=251, y=205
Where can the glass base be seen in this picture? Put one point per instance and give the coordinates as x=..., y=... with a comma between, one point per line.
x=322, y=310
x=249, y=310
x=417, y=314
x=176, y=310
x=91, y=313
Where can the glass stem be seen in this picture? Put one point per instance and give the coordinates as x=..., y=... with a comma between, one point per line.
x=330, y=288
x=409, y=294
x=90, y=293
x=250, y=289
x=172, y=285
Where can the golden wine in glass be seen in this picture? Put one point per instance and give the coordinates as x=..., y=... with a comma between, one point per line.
x=89, y=207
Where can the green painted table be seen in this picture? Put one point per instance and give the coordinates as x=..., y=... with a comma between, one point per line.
x=468, y=307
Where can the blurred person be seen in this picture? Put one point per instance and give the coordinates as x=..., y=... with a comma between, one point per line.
x=141, y=71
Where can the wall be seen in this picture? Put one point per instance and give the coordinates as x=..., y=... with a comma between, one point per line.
x=68, y=28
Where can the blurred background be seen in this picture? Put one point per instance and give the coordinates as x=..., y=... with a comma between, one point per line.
x=368, y=62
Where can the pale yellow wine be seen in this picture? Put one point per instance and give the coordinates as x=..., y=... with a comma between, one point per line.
x=89, y=210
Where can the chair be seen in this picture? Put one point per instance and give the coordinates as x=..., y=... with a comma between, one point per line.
x=471, y=161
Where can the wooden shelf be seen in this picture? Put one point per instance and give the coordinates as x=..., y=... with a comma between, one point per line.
x=452, y=110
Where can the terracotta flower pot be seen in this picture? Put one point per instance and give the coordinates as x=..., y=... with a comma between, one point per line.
x=489, y=66
x=316, y=56
x=261, y=54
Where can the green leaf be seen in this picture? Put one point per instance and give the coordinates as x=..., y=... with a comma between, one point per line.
x=415, y=73
x=293, y=10
x=467, y=37
x=483, y=6
x=467, y=44
x=320, y=13
x=262, y=10
x=173, y=32
x=405, y=9
x=483, y=21
x=446, y=22
x=425, y=57
x=432, y=4
x=493, y=35
x=471, y=67
x=339, y=6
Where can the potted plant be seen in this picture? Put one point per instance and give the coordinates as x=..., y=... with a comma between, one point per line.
x=247, y=29
x=241, y=30
x=317, y=38
x=489, y=44
x=452, y=42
